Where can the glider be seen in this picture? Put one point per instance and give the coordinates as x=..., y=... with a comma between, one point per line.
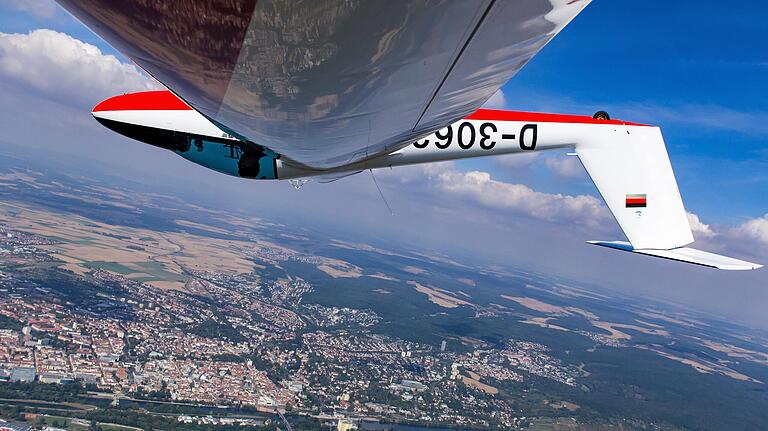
x=282, y=90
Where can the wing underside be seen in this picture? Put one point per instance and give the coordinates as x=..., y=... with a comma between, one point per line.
x=328, y=82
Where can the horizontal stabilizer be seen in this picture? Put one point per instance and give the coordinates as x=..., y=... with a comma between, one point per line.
x=685, y=254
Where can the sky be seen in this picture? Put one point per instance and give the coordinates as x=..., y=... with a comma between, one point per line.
x=694, y=68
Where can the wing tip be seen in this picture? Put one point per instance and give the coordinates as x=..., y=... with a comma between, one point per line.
x=685, y=255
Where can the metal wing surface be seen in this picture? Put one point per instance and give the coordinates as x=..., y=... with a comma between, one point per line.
x=329, y=82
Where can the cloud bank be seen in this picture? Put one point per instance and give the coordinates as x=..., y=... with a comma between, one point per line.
x=480, y=189
x=65, y=69
x=700, y=230
x=566, y=167
x=755, y=229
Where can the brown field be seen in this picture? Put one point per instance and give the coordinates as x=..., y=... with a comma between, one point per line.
x=340, y=269
x=543, y=322
x=616, y=334
x=210, y=254
x=382, y=276
x=737, y=352
x=73, y=267
x=535, y=304
x=578, y=292
x=440, y=297
x=652, y=325
x=236, y=221
x=543, y=307
x=475, y=383
x=414, y=270
x=680, y=320
x=567, y=292
x=441, y=259
x=161, y=259
x=362, y=247
x=706, y=367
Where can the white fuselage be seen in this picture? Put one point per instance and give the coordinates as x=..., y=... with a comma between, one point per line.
x=470, y=138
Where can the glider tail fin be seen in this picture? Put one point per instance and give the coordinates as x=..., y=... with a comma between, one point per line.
x=631, y=169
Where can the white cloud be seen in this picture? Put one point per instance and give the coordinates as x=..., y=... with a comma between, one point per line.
x=748, y=240
x=755, y=229
x=699, y=229
x=66, y=69
x=567, y=167
x=497, y=101
x=481, y=191
x=40, y=8
x=479, y=188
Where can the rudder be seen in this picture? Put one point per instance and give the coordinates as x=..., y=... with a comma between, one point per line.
x=631, y=169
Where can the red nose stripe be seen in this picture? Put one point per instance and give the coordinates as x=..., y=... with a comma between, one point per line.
x=145, y=101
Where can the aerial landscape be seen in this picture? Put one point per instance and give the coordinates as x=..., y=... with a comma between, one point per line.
x=415, y=215
x=125, y=307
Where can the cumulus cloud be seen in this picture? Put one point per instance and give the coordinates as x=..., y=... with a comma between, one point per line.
x=497, y=101
x=65, y=69
x=480, y=189
x=748, y=240
x=755, y=229
x=700, y=230
x=40, y=8
x=566, y=167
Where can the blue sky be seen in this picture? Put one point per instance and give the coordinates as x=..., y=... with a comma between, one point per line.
x=701, y=65
x=695, y=68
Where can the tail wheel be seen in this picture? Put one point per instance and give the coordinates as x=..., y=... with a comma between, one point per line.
x=602, y=116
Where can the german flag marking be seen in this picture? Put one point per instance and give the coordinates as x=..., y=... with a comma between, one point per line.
x=636, y=201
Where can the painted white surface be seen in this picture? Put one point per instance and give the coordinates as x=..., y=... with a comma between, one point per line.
x=189, y=121
x=685, y=254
